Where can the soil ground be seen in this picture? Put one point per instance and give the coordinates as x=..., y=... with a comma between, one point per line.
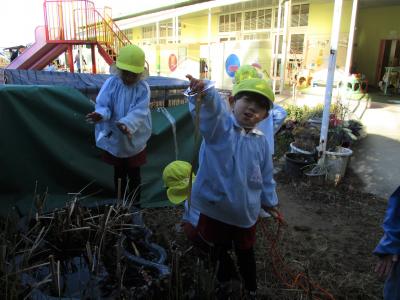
x=330, y=235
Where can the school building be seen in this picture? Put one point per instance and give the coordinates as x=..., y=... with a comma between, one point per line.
x=212, y=38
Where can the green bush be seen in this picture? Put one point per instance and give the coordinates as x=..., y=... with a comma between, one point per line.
x=301, y=114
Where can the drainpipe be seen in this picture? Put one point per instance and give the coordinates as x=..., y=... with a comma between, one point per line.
x=176, y=29
x=173, y=30
x=351, y=38
x=158, y=48
x=329, y=81
x=209, y=45
x=276, y=50
x=284, y=45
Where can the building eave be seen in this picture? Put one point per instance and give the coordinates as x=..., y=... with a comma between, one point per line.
x=144, y=19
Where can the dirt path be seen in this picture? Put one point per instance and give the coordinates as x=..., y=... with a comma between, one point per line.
x=331, y=234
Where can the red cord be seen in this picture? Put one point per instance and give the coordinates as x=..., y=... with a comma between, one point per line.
x=283, y=273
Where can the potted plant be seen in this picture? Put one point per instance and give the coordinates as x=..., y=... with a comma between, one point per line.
x=341, y=136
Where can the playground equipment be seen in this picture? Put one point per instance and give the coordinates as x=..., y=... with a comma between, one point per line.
x=68, y=23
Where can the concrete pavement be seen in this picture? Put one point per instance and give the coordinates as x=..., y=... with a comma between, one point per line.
x=376, y=158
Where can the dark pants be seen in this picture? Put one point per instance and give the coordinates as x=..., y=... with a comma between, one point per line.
x=220, y=238
x=226, y=267
x=392, y=284
x=130, y=181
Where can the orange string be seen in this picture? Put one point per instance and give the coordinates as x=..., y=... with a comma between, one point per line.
x=284, y=274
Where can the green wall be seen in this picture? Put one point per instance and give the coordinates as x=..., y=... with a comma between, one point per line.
x=373, y=25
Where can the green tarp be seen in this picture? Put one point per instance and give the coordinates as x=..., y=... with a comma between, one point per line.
x=46, y=142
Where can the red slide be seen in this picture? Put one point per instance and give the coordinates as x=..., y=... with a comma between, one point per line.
x=39, y=55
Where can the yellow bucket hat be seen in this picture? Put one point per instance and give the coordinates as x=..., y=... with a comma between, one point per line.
x=131, y=58
x=176, y=178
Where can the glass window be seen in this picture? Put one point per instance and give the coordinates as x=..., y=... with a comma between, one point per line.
x=247, y=17
x=128, y=33
x=238, y=22
x=230, y=23
x=264, y=19
x=299, y=15
x=304, y=14
x=253, y=20
x=149, y=32
x=250, y=20
x=297, y=43
x=221, y=24
x=295, y=15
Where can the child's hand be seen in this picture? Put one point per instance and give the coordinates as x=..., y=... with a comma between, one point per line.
x=124, y=129
x=196, y=85
x=385, y=265
x=94, y=117
x=274, y=212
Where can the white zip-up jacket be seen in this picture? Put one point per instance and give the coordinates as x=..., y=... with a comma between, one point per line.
x=235, y=170
x=129, y=105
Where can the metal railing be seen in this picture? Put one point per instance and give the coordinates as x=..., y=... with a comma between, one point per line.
x=79, y=22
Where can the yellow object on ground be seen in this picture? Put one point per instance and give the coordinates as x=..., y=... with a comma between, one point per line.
x=176, y=178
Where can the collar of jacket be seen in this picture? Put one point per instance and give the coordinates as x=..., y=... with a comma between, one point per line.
x=254, y=131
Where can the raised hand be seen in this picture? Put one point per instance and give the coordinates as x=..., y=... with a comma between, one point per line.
x=124, y=129
x=94, y=117
x=196, y=85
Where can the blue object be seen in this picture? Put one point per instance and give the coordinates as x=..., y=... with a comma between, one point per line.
x=232, y=61
x=391, y=290
x=390, y=242
x=390, y=245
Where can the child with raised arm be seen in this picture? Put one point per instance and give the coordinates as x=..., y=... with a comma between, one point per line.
x=388, y=249
x=234, y=179
x=123, y=120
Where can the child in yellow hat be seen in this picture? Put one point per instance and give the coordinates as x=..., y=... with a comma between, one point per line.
x=123, y=120
x=234, y=179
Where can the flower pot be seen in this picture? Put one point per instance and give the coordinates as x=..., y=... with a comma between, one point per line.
x=336, y=163
x=295, y=149
x=296, y=162
x=315, y=175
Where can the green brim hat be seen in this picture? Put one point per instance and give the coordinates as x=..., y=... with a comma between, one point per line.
x=176, y=177
x=178, y=194
x=131, y=58
x=246, y=72
x=255, y=85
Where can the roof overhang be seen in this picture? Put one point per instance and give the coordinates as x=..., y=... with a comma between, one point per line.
x=171, y=13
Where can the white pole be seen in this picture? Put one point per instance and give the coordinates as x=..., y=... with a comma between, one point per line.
x=176, y=30
x=173, y=30
x=275, y=54
x=209, y=44
x=284, y=46
x=329, y=81
x=351, y=38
